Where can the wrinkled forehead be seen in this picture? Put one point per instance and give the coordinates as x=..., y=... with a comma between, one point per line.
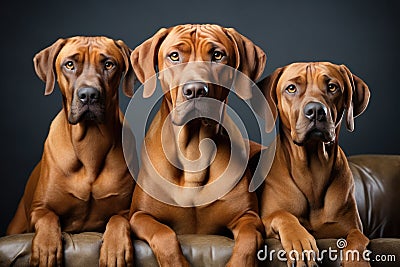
x=94, y=46
x=196, y=36
x=301, y=73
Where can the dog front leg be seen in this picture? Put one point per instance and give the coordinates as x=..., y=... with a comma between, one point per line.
x=353, y=253
x=161, y=238
x=300, y=246
x=248, y=233
x=46, y=243
x=117, y=249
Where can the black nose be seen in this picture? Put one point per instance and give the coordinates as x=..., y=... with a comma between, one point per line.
x=194, y=90
x=88, y=95
x=315, y=111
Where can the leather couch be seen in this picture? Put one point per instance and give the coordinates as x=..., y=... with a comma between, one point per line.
x=377, y=182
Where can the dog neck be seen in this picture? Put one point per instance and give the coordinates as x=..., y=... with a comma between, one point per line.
x=184, y=147
x=92, y=141
x=315, y=162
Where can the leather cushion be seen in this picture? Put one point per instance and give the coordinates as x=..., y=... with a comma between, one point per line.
x=377, y=190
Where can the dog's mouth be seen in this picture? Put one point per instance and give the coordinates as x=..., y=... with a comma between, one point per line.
x=204, y=109
x=86, y=112
x=316, y=133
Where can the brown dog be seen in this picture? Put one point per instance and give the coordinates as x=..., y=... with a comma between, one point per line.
x=309, y=191
x=82, y=182
x=171, y=149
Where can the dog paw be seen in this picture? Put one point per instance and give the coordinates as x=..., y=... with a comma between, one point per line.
x=167, y=250
x=46, y=248
x=117, y=249
x=300, y=247
x=353, y=261
x=244, y=260
x=355, y=264
x=173, y=261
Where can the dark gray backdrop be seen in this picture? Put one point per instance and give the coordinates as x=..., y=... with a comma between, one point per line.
x=362, y=34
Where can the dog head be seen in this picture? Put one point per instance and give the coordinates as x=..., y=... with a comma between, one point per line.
x=312, y=98
x=185, y=85
x=88, y=71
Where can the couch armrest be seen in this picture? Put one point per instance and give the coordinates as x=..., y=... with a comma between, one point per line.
x=83, y=250
x=377, y=187
x=201, y=250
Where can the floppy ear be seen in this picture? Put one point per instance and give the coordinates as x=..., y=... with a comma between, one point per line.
x=129, y=76
x=250, y=60
x=144, y=61
x=44, y=64
x=356, y=96
x=268, y=87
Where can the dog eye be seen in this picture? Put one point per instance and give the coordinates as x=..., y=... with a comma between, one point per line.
x=108, y=65
x=291, y=89
x=217, y=55
x=174, y=56
x=332, y=87
x=69, y=65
